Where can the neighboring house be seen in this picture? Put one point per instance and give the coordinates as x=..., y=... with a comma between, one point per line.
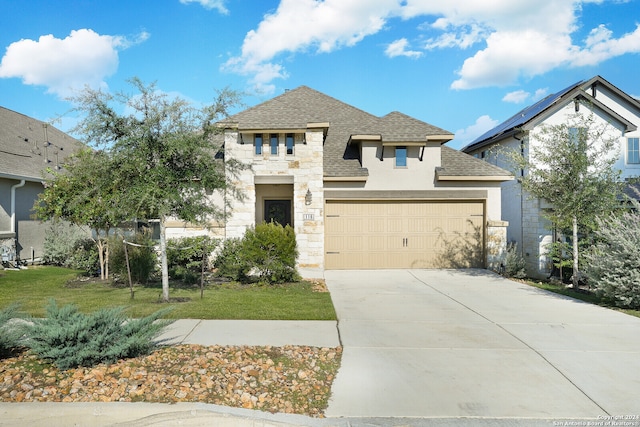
x=362, y=191
x=526, y=226
x=27, y=148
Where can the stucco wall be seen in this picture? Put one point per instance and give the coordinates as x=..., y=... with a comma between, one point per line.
x=30, y=233
x=384, y=175
x=5, y=203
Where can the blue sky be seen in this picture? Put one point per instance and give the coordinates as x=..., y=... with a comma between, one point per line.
x=462, y=65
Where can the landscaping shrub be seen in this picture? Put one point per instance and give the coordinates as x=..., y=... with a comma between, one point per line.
x=269, y=251
x=272, y=251
x=70, y=339
x=85, y=257
x=60, y=242
x=613, y=266
x=143, y=259
x=185, y=257
x=12, y=330
x=514, y=263
x=230, y=261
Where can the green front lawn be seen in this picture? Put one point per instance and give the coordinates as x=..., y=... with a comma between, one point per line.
x=32, y=289
x=582, y=295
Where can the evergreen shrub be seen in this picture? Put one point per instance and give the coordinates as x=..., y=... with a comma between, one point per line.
x=514, y=263
x=70, y=339
x=85, y=257
x=272, y=250
x=143, y=259
x=230, y=261
x=267, y=251
x=60, y=242
x=186, y=255
x=613, y=265
x=12, y=330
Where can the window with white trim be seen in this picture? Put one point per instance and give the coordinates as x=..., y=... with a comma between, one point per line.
x=273, y=143
x=633, y=151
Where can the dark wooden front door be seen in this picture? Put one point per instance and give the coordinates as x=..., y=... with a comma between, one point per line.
x=278, y=211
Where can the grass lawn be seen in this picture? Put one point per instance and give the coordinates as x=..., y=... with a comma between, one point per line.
x=583, y=295
x=33, y=288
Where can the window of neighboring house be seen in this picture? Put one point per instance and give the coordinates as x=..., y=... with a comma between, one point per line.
x=576, y=134
x=257, y=143
x=273, y=143
x=289, y=143
x=633, y=150
x=401, y=157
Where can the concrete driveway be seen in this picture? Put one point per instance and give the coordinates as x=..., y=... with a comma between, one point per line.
x=468, y=343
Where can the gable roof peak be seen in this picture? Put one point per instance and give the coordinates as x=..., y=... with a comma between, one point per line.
x=530, y=113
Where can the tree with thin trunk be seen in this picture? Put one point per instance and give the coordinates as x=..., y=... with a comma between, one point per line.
x=571, y=166
x=165, y=154
x=85, y=193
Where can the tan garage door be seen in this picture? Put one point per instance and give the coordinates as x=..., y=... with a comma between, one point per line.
x=394, y=234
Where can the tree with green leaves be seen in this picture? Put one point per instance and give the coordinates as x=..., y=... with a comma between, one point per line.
x=163, y=153
x=571, y=166
x=86, y=194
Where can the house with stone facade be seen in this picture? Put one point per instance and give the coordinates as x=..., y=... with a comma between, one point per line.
x=361, y=191
x=28, y=147
x=527, y=227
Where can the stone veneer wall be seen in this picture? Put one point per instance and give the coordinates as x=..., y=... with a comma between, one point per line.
x=305, y=168
x=496, y=244
x=536, y=236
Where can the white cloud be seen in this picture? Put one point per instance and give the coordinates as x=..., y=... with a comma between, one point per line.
x=327, y=25
x=540, y=93
x=600, y=46
x=65, y=65
x=210, y=4
x=510, y=55
x=399, y=48
x=520, y=96
x=519, y=38
x=467, y=135
x=516, y=97
x=465, y=37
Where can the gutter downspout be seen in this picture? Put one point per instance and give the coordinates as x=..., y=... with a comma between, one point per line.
x=14, y=224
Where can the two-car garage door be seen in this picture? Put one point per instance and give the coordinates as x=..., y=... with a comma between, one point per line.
x=403, y=234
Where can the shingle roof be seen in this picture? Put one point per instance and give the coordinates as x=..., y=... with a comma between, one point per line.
x=23, y=149
x=398, y=127
x=457, y=163
x=296, y=108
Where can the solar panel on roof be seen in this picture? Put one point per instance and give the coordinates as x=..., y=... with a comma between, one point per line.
x=524, y=115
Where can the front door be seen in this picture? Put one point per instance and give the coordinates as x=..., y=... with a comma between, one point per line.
x=278, y=211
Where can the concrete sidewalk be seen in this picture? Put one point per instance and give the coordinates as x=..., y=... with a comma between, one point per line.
x=278, y=333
